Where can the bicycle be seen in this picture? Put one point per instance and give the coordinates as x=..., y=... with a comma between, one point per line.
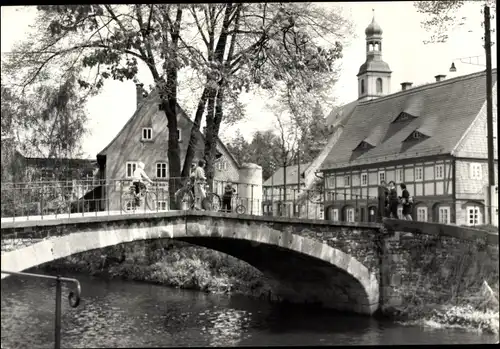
x=129, y=199
x=185, y=198
x=240, y=208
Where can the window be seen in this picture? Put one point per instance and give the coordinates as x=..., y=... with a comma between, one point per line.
x=419, y=173
x=161, y=205
x=381, y=176
x=161, y=170
x=416, y=135
x=400, y=212
x=179, y=135
x=350, y=215
x=444, y=215
x=422, y=214
x=399, y=175
x=362, y=86
x=130, y=168
x=475, y=171
x=147, y=133
x=439, y=171
x=335, y=215
x=331, y=182
x=364, y=179
x=379, y=81
x=347, y=181
x=224, y=165
x=473, y=215
x=264, y=208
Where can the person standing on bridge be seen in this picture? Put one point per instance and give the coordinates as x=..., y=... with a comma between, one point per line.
x=393, y=200
x=387, y=210
x=229, y=191
x=137, y=177
x=199, y=184
x=406, y=201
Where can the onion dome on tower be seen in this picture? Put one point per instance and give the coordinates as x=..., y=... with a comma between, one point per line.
x=374, y=76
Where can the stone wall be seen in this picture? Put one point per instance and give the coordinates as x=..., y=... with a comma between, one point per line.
x=428, y=268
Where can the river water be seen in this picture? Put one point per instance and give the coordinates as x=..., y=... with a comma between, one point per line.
x=129, y=314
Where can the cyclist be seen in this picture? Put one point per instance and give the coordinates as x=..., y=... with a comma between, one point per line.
x=137, y=177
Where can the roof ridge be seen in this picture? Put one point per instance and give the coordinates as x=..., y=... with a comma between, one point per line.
x=428, y=86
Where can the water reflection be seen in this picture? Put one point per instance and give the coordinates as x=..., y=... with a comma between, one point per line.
x=128, y=314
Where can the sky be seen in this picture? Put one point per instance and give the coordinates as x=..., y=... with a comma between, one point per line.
x=403, y=49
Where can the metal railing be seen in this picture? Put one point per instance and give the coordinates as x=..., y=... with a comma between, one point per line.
x=66, y=199
x=73, y=298
x=38, y=200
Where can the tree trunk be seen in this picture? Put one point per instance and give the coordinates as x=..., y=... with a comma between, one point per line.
x=210, y=140
x=195, y=131
x=169, y=104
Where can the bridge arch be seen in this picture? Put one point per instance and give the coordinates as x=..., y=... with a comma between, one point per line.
x=301, y=266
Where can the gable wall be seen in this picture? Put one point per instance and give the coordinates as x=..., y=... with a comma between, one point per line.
x=475, y=142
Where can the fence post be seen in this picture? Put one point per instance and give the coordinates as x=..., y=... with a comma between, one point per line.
x=57, y=334
x=251, y=201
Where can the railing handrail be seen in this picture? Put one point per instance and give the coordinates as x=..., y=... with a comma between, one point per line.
x=73, y=297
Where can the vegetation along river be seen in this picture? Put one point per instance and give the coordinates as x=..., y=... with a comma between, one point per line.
x=118, y=313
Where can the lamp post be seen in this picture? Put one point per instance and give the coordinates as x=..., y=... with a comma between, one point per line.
x=273, y=168
x=474, y=60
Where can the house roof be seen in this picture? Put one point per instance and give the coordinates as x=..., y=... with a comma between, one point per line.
x=441, y=111
x=341, y=113
x=291, y=175
x=152, y=99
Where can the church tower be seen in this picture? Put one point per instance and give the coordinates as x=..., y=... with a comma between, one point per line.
x=374, y=76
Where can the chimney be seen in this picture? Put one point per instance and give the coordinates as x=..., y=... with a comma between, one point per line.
x=440, y=77
x=139, y=94
x=406, y=85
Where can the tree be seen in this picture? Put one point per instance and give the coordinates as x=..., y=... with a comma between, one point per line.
x=47, y=123
x=442, y=15
x=229, y=48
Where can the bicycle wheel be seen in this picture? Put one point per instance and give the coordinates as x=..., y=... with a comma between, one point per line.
x=185, y=199
x=240, y=209
x=212, y=202
x=128, y=202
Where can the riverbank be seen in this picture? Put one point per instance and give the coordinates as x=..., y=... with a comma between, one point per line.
x=180, y=265
x=476, y=312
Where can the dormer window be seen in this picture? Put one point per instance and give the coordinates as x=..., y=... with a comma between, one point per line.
x=403, y=117
x=147, y=133
x=415, y=135
x=363, y=146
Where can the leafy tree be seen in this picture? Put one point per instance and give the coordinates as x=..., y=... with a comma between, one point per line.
x=443, y=15
x=47, y=123
x=228, y=47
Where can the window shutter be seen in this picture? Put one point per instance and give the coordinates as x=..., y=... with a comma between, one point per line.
x=471, y=171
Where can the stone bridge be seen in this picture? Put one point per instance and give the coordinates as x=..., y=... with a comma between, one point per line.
x=355, y=267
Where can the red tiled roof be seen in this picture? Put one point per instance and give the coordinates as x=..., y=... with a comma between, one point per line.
x=442, y=111
x=291, y=175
